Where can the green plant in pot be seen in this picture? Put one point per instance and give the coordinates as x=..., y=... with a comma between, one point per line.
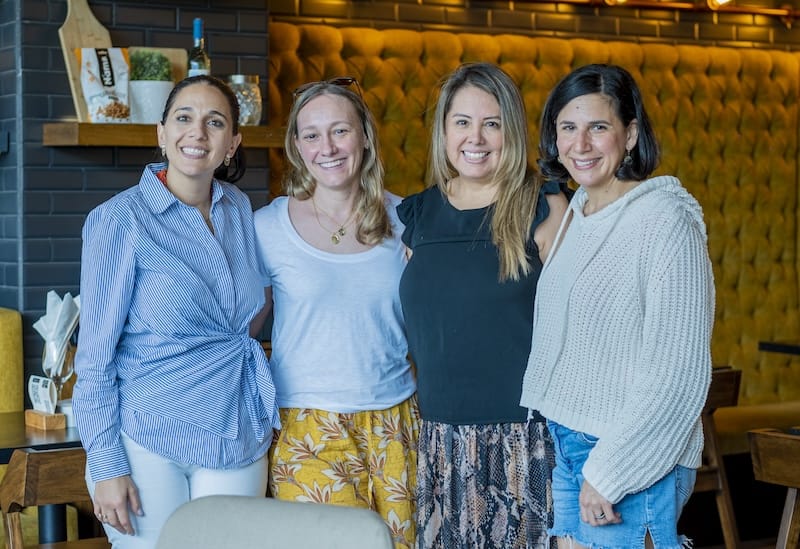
x=150, y=65
x=150, y=83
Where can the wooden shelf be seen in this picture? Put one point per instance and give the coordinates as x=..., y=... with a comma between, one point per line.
x=82, y=134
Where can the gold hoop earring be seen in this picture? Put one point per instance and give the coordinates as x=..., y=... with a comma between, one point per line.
x=227, y=161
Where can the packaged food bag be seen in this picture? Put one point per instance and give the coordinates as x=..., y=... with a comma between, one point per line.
x=104, y=80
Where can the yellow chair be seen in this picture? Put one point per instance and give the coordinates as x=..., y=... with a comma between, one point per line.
x=11, y=366
x=11, y=376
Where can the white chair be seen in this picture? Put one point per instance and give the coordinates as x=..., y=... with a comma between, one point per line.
x=253, y=522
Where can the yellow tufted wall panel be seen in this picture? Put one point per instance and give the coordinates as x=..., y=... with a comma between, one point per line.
x=11, y=366
x=726, y=120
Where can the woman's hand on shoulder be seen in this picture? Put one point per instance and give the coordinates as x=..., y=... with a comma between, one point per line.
x=114, y=500
x=545, y=233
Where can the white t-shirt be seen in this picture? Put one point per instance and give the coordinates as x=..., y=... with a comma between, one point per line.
x=338, y=336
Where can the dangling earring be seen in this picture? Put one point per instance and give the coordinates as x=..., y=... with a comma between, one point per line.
x=627, y=160
x=227, y=161
x=558, y=158
x=163, y=150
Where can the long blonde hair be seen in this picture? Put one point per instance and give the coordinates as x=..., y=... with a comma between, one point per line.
x=372, y=222
x=517, y=183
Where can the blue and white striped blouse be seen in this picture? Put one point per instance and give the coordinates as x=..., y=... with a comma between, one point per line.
x=163, y=351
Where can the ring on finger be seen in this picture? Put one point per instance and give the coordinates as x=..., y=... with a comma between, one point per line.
x=601, y=516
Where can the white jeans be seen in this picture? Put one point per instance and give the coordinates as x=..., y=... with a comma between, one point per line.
x=164, y=485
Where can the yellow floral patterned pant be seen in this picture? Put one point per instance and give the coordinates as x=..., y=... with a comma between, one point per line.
x=362, y=459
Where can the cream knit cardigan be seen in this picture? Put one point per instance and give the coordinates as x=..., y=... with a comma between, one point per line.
x=621, y=336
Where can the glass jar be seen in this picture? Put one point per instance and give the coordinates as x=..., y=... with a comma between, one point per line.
x=245, y=86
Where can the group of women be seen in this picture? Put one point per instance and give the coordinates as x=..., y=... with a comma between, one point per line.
x=517, y=422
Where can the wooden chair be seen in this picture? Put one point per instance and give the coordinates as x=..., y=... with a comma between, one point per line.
x=42, y=478
x=775, y=456
x=724, y=391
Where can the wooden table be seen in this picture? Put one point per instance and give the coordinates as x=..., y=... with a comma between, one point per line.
x=776, y=455
x=15, y=434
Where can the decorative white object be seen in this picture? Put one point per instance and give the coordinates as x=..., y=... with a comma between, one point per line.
x=147, y=98
x=65, y=407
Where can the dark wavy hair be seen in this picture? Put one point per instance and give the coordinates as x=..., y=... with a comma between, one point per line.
x=619, y=86
x=235, y=171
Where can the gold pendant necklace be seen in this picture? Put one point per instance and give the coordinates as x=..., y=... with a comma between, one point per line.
x=338, y=234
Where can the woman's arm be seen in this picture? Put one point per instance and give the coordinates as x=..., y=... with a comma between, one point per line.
x=107, y=282
x=258, y=321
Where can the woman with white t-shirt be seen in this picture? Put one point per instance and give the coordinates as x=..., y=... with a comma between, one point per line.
x=332, y=248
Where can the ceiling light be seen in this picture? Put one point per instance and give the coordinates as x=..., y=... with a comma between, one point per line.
x=716, y=4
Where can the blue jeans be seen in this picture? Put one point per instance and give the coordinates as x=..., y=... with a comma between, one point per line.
x=655, y=509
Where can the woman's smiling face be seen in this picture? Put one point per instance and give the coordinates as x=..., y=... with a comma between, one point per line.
x=331, y=141
x=591, y=139
x=197, y=133
x=474, y=134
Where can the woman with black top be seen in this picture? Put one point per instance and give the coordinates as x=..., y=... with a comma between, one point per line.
x=477, y=238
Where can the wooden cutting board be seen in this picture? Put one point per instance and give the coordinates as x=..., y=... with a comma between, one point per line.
x=82, y=30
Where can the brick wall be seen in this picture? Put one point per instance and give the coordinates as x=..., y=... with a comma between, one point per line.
x=565, y=20
x=46, y=192
x=9, y=188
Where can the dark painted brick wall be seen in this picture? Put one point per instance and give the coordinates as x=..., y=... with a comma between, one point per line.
x=9, y=195
x=46, y=192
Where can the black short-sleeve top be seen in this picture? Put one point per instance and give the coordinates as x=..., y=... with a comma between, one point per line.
x=468, y=333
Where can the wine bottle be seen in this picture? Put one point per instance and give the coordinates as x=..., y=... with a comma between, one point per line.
x=199, y=62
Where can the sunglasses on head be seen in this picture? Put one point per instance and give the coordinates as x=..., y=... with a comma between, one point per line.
x=342, y=81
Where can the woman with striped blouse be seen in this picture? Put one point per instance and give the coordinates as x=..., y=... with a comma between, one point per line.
x=174, y=399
